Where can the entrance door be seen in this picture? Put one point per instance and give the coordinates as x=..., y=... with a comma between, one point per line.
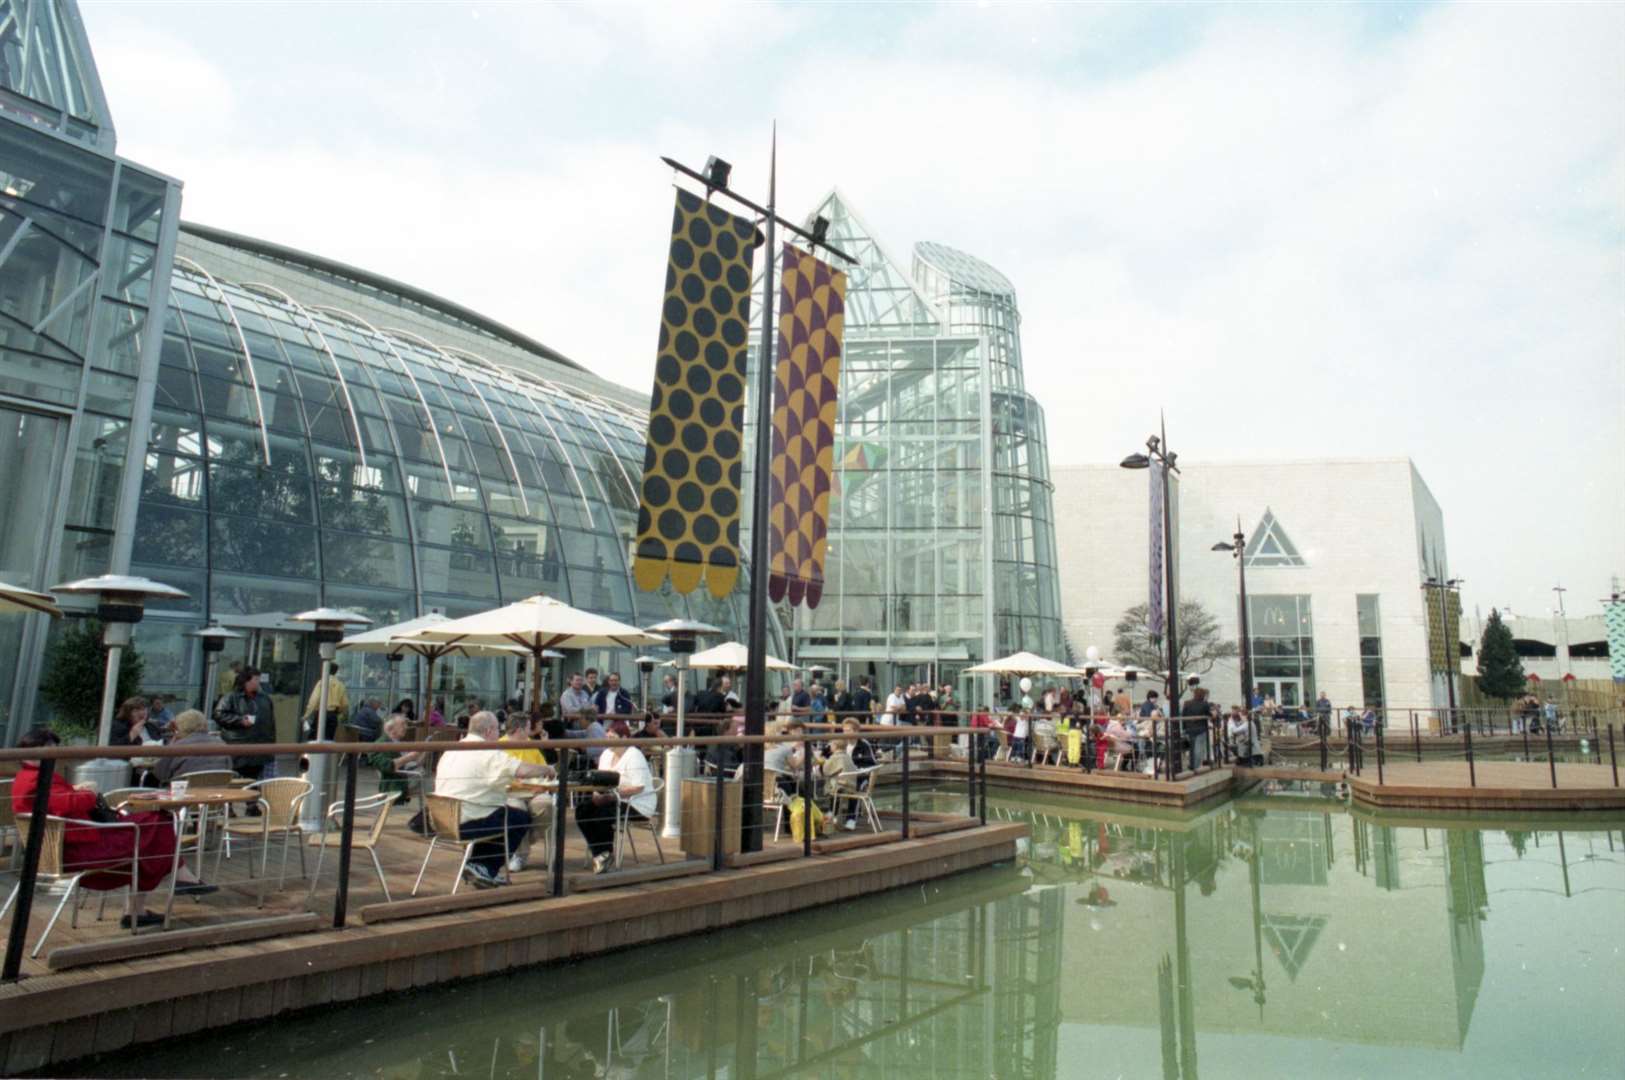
x=1285, y=692
x=287, y=667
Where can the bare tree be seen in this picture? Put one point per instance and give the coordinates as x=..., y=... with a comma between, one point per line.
x=1200, y=643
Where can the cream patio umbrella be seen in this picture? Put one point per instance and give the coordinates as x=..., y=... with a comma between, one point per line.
x=732, y=656
x=396, y=641
x=1023, y=663
x=17, y=598
x=537, y=624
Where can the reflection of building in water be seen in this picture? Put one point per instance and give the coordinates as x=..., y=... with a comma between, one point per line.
x=1287, y=923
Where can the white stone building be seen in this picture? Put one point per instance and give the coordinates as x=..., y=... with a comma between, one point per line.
x=1337, y=551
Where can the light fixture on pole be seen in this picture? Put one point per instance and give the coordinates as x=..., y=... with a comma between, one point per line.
x=329, y=626
x=1237, y=547
x=214, y=638
x=646, y=667
x=683, y=640
x=121, y=602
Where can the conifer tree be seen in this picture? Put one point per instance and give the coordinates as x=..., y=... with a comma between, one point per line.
x=1500, y=672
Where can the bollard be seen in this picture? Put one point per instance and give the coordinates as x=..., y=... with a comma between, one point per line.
x=905, y=789
x=1322, y=728
x=341, y=896
x=982, y=802
x=1472, y=773
x=1381, y=753
x=974, y=755
x=30, y=872
x=561, y=803
x=1612, y=759
x=1525, y=726
x=1416, y=737
x=806, y=799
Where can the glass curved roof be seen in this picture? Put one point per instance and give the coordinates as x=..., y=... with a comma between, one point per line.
x=966, y=270
x=302, y=453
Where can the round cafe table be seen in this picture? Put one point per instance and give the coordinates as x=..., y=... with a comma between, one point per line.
x=203, y=800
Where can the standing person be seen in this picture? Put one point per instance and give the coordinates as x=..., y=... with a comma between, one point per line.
x=1020, y=733
x=895, y=703
x=709, y=702
x=1122, y=704
x=863, y=698
x=246, y=716
x=843, y=700
x=800, y=700
x=1195, y=715
x=1238, y=731
x=612, y=699
x=818, y=708
x=783, y=708
x=668, y=694
x=1323, y=714
x=338, y=704
x=730, y=699
x=575, y=696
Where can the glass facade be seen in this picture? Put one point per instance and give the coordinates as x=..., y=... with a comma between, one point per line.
x=1283, y=647
x=1369, y=613
x=942, y=537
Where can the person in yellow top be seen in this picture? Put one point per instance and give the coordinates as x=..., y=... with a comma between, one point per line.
x=541, y=805
x=338, y=705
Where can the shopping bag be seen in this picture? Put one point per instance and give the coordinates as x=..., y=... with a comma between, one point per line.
x=798, y=813
x=1074, y=746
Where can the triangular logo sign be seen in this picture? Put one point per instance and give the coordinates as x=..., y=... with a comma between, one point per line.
x=1291, y=939
x=1270, y=545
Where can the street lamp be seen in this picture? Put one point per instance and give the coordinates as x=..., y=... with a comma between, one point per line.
x=214, y=638
x=646, y=667
x=329, y=631
x=1450, y=650
x=1158, y=452
x=121, y=602
x=1237, y=546
x=683, y=638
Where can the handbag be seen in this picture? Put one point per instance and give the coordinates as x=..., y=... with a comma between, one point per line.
x=102, y=814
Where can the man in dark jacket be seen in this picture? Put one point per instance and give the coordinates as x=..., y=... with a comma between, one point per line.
x=1196, y=713
x=246, y=716
x=612, y=699
x=863, y=697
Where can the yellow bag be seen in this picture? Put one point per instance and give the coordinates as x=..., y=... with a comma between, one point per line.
x=798, y=811
x=1074, y=747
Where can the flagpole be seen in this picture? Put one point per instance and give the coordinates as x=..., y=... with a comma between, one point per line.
x=755, y=660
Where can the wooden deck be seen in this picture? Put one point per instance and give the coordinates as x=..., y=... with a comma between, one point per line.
x=1501, y=785
x=1188, y=790
x=56, y=1014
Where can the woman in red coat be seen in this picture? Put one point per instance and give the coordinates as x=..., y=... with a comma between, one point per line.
x=86, y=848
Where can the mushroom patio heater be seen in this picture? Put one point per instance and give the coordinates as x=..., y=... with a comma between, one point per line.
x=121, y=602
x=684, y=638
x=646, y=667
x=214, y=638
x=329, y=626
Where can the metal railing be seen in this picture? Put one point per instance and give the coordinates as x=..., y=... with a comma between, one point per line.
x=733, y=756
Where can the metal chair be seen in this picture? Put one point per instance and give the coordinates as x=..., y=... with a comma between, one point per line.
x=364, y=838
x=208, y=778
x=624, y=823
x=54, y=868
x=281, y=799
x=853, y=787
x=446, y=817
x=776, y=800
x=10, y=838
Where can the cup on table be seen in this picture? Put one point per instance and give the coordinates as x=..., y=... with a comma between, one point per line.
x=177, y=788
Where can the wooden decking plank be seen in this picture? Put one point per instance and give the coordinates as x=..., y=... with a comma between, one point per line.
x=643, y=874
x=74, y=956
x=471, y=900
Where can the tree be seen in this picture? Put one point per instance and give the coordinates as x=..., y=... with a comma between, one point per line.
x=75, y=667
x=1500, y=672
x=1200, y=643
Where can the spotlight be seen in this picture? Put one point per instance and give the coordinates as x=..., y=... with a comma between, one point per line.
x=717, y=172
x=1136, y=461
x=820, y=229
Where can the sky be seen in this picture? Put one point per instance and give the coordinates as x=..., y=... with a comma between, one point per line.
x=1301, y=231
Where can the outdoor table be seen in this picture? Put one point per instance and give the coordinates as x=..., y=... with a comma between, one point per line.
x=205, y=800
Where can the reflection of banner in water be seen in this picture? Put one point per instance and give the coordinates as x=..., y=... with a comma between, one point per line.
x=1613, y=617
x=1156, y=620
x=688, y=519
x=812, y=314
x=1439, y=651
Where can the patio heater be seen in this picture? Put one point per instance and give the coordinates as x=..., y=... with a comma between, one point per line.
x=121, y=602
x=646, y=667
x=214, y=638
x=329, y=626
x=683, y=640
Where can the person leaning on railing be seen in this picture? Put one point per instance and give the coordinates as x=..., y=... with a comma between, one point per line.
x=107, y=852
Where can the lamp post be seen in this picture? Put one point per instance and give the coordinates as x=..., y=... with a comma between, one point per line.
x=646, y=667
x=214, y=638
x=121, y=602
x=1238, y=548
x=1157, y=451
x=683, y=639
x=1450, y=650
x=329, y=626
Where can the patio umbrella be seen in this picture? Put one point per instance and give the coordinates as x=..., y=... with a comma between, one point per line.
x=17, y=598
x=1023, y=663
x=396, y=640
x=732, y=656
x=536, y=625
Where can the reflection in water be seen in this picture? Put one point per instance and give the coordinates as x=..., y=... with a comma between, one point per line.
x=1126, y=942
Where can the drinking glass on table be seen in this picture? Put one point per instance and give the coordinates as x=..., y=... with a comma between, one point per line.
x=177, y=788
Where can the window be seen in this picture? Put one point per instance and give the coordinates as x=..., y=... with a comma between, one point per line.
x=1270, y=545
x=1370, y=620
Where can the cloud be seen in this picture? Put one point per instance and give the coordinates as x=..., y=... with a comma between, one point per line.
x=1329, y=231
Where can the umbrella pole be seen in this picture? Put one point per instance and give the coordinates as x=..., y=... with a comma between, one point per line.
x=536, y=680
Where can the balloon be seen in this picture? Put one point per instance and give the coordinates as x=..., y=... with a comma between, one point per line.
x=1026, y=685
x=1092, y=653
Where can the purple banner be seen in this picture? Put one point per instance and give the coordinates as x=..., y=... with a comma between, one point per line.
x=1156, y=619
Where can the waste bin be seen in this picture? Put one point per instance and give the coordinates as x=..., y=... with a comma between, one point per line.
x=700, y=821
x=106, y=773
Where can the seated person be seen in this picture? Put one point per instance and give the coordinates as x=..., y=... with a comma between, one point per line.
x=480, y=778
x=538, y=806
x=585, y=724
x=596, y=815
x=849, y=755
x=211, y=753
x=133, y=725
x=782, y=761
x=389, y=763
x=727, y=757
x=107, y=853
x=651, y=728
